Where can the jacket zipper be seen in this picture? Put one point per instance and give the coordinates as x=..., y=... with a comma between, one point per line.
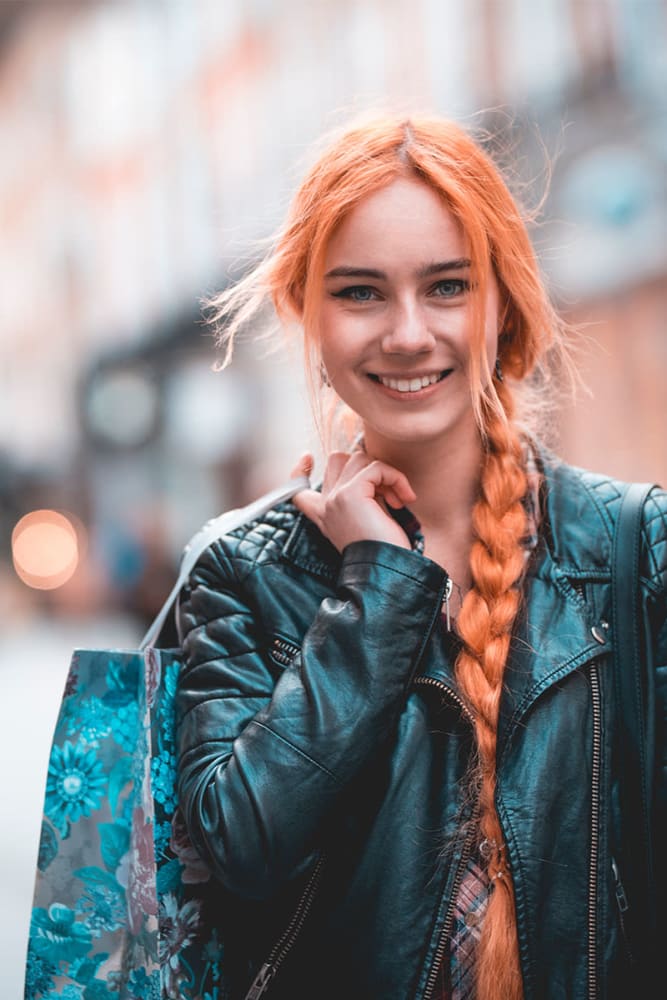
x=445, y=934
x=283, y=651
x=595, y=840
x=432, y=682
x=280, y=950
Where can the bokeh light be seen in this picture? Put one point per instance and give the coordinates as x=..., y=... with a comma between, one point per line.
x=45, y=549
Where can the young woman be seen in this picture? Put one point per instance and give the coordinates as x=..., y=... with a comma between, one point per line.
x=397, y=720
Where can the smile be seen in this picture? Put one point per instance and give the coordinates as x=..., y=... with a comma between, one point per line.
x=410, y=384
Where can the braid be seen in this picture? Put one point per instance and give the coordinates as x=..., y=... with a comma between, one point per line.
x=485, y=624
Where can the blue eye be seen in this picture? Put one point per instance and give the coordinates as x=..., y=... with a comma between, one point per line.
x=448, y=288
x=356, y=293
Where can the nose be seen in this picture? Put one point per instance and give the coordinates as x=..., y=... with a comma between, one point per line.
x=407, y=331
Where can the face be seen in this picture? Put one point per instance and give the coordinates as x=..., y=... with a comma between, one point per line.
x=395, y=317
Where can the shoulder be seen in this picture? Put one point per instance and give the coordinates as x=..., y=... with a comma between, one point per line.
x=279, y=536
x=583, y=508
x=258, y=540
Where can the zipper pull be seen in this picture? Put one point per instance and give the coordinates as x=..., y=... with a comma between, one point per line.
x=619, y=891
x=449, y=586
x=261, y=982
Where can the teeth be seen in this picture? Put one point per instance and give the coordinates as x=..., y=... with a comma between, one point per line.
x=409, y=385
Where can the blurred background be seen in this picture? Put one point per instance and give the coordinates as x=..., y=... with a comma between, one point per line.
x=146, y=149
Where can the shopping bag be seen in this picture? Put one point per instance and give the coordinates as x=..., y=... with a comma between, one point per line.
x=123, y=906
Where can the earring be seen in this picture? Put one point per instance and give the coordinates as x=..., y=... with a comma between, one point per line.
x=498, y=370
x=324, y=376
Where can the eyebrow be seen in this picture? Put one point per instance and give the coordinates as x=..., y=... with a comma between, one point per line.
x=424, y=272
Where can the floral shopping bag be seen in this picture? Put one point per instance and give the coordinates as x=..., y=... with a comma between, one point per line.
x=124, y=908
x=121, y=897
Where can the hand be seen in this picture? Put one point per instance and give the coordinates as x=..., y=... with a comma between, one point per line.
x=352, y=504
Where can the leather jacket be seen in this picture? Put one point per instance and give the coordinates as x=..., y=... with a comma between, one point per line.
x=322, y=747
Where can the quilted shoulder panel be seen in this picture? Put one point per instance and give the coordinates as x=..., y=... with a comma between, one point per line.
x=655, y=538
x=261, y=540
x=608, y=493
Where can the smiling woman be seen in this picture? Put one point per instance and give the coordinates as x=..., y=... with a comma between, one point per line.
x=400, y=744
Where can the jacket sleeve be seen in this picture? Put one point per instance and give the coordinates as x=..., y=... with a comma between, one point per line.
x=262, y=763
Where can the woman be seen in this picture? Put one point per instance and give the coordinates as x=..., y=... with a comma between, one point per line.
x=396, y=714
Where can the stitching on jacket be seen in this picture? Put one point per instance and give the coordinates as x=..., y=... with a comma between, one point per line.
x=321, y=767
x=406, y=576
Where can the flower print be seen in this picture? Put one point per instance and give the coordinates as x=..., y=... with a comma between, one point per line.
x=124, y=725
x=95, y=989
x=48, y=846
x=69, y=993
x=103, y=908
x=161, y=835
x=178, y=929
x=122, y=680
x=171, y=678
x=74, y=786
x=163, y=778
x=39, y=973
x=91, y=719
x=142, y=986
x=57, y=936
x=136, y=872
x=194, y=869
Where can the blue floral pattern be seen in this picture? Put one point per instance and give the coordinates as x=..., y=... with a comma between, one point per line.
x=120, y=903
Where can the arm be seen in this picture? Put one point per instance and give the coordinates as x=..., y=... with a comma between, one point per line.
x=262, y=762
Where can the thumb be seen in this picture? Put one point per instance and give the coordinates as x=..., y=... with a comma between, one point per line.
x=304, y=466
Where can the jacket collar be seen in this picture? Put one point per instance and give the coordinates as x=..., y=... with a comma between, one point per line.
x=577, y=525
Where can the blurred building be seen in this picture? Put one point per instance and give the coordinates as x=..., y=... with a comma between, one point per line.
x=147, y=149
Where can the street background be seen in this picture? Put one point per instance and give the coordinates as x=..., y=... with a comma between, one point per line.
x=147, y=147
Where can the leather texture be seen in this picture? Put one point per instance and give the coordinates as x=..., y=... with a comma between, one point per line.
x=317, y=710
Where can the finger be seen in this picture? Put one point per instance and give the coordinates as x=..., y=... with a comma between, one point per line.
x=392, y=498
x=310, y=503
x=383, y=477
x=335, y=465
x=303, y=467
x=354, y=463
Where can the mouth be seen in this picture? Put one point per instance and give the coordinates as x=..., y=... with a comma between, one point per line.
x=409, y=385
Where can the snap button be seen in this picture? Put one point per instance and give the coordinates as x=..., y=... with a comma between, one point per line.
x=598, y=634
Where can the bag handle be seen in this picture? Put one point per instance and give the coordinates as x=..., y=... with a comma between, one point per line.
x=630, y=676
x=209, y=533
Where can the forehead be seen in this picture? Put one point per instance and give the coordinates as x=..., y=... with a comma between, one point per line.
x=403, y=221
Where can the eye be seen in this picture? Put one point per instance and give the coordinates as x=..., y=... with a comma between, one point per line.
x=448, y=288
x=356, y=293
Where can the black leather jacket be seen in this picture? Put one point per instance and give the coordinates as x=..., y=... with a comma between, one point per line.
x=323, y=742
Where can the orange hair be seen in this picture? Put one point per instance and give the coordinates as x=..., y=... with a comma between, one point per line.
x=359, y=161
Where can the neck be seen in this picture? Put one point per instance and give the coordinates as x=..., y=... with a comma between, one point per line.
x=444, y=474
